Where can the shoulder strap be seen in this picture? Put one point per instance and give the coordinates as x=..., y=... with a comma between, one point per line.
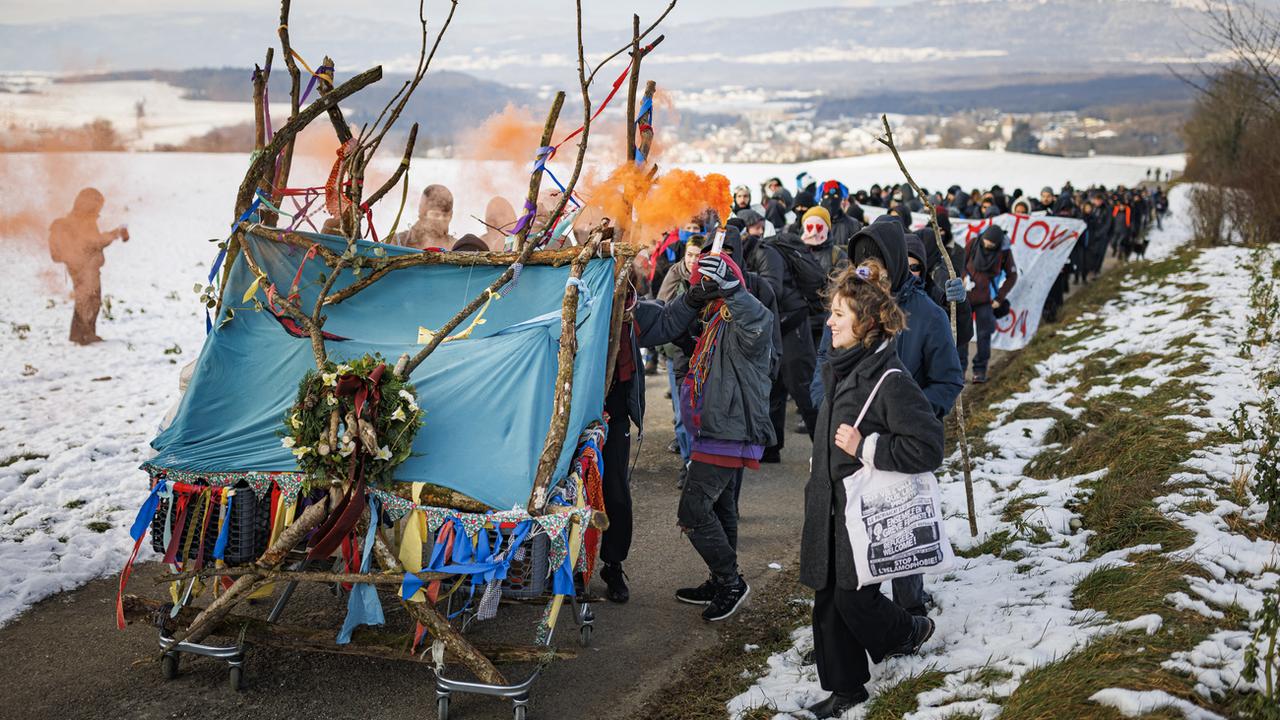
x=872, y=396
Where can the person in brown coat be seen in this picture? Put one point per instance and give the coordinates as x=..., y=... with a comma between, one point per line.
x=76, y=242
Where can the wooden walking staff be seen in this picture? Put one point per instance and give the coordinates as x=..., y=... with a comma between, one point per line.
x=887, y=141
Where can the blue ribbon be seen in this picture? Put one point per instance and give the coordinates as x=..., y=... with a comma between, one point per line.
x=363, y=606
x=477, y=562
x=220, y=547
x=147, y=511
x=222, y=254
x=562, y=583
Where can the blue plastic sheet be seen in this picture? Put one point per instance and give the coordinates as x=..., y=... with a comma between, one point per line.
x=488, y=399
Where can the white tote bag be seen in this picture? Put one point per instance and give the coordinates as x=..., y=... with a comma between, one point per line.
x=894, y=519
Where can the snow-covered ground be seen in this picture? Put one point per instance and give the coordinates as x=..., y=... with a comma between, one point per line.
x=1015, y=615
x=80, y=419
x=167, y=117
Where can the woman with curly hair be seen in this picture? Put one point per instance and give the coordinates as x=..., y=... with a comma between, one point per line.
x=898, y=432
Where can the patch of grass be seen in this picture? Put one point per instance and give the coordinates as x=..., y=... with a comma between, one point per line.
x=990, y=676
x=72, y=505
x=1014, y=509
x=11, y=459
x=1130, y=591
x=900, y=699
x=997, y=544
x=99, y=526
x=715, y=675
x=1197, y=306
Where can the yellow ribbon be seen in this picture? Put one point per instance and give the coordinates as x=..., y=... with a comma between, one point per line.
x=425, y=336
x=415, y=530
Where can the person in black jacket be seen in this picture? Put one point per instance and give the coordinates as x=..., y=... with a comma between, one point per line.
x=899, y=433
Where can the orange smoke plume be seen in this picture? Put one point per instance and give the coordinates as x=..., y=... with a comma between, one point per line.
x=511, y=135
x=660, y=204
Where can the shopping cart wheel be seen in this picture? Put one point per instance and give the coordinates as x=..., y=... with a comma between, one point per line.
x=169, y=665
x=236, y=677
x=521, y=712
x=584, y=636
x=442, y=707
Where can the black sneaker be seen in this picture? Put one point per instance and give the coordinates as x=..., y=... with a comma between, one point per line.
x=837, y=704
x=771, y=455
x=921, y=631
x=616, y=579
x=727, y=600
x=701, y=595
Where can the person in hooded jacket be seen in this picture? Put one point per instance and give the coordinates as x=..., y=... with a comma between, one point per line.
x=939, y=280
x=842, y=226
x=899, y=432
x=803, y=284
x=726, y=409
x=925, y=347
x=1098, y=233
x=989, y=265
x=801, y=205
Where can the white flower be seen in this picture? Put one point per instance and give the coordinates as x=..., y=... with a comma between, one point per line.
x=331, y=400
x=347, y=449
x=408, y=398
x=344, y=369
x=399, y=414
x=300, y=452
x=295, y=421
x=288, y=442
x=323, y=448
x=329, y=378
x=384, y=453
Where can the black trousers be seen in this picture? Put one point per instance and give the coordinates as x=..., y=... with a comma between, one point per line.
x=798, y=359
x=849, y=625
x=708, y=513
x=985, y=325
x=615, y=543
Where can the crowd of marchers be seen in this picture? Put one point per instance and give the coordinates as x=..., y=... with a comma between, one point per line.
x=804, y=302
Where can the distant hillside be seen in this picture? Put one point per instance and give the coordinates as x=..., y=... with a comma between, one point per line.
x=1044, y=96
x=445, y=103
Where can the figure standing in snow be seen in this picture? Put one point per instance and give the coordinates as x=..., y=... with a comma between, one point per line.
x=76, y=242
x=901, y=433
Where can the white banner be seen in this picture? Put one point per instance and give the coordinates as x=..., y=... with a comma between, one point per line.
x=1041, y=245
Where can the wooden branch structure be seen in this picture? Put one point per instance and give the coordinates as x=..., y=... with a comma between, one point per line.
x=887, y=141
x=268, y=173
x=365, y=642
x=564, y=380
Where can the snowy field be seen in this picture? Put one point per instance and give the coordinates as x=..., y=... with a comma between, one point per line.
x=1003, y=616
x=80, y=419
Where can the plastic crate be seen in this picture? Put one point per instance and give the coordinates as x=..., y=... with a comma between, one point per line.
x=527, y=577
x=247, y=535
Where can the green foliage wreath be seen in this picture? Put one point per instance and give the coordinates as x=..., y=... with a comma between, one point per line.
x=375, y=443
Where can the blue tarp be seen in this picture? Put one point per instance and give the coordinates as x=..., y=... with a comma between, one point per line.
x=488, y=399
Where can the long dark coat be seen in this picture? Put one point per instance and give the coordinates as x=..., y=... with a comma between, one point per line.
x=908, y=438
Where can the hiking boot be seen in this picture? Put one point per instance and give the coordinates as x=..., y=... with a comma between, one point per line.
x=921, y=631
x=837, y=704
x=701, y=595
x=979, y=378
x=771, y=455
x=727, y=600
x=800, y=429
x=616, y=579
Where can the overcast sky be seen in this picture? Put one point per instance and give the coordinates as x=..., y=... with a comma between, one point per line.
x=596, y=12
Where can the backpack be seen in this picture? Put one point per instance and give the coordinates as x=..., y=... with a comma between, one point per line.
x=58, y=250
x=804, y=272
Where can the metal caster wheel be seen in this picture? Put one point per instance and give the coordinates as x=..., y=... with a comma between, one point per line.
x=169, y=665
x=521, y=712
x=442, y=707
x=584, y=636
x=236, y=678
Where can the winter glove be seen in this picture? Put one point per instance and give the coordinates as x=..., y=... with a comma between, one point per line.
x=954, y=289
x=714, y=269
x=698, y=296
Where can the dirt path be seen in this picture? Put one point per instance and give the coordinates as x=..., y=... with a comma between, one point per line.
x=64, y=659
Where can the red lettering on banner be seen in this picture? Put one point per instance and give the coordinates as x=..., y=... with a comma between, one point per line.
x=1044, y=234
x=973, y=230
x=1014, y=322
x=1060, y=237
x=1013, y=236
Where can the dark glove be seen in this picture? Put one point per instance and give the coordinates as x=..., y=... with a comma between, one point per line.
x=716, y=270
x=699, y=295
x=954, y=290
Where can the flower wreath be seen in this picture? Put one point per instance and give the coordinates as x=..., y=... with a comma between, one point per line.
x=354, y=418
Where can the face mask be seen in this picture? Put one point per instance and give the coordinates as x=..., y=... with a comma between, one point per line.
x=815, y=232
x=864, y=248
